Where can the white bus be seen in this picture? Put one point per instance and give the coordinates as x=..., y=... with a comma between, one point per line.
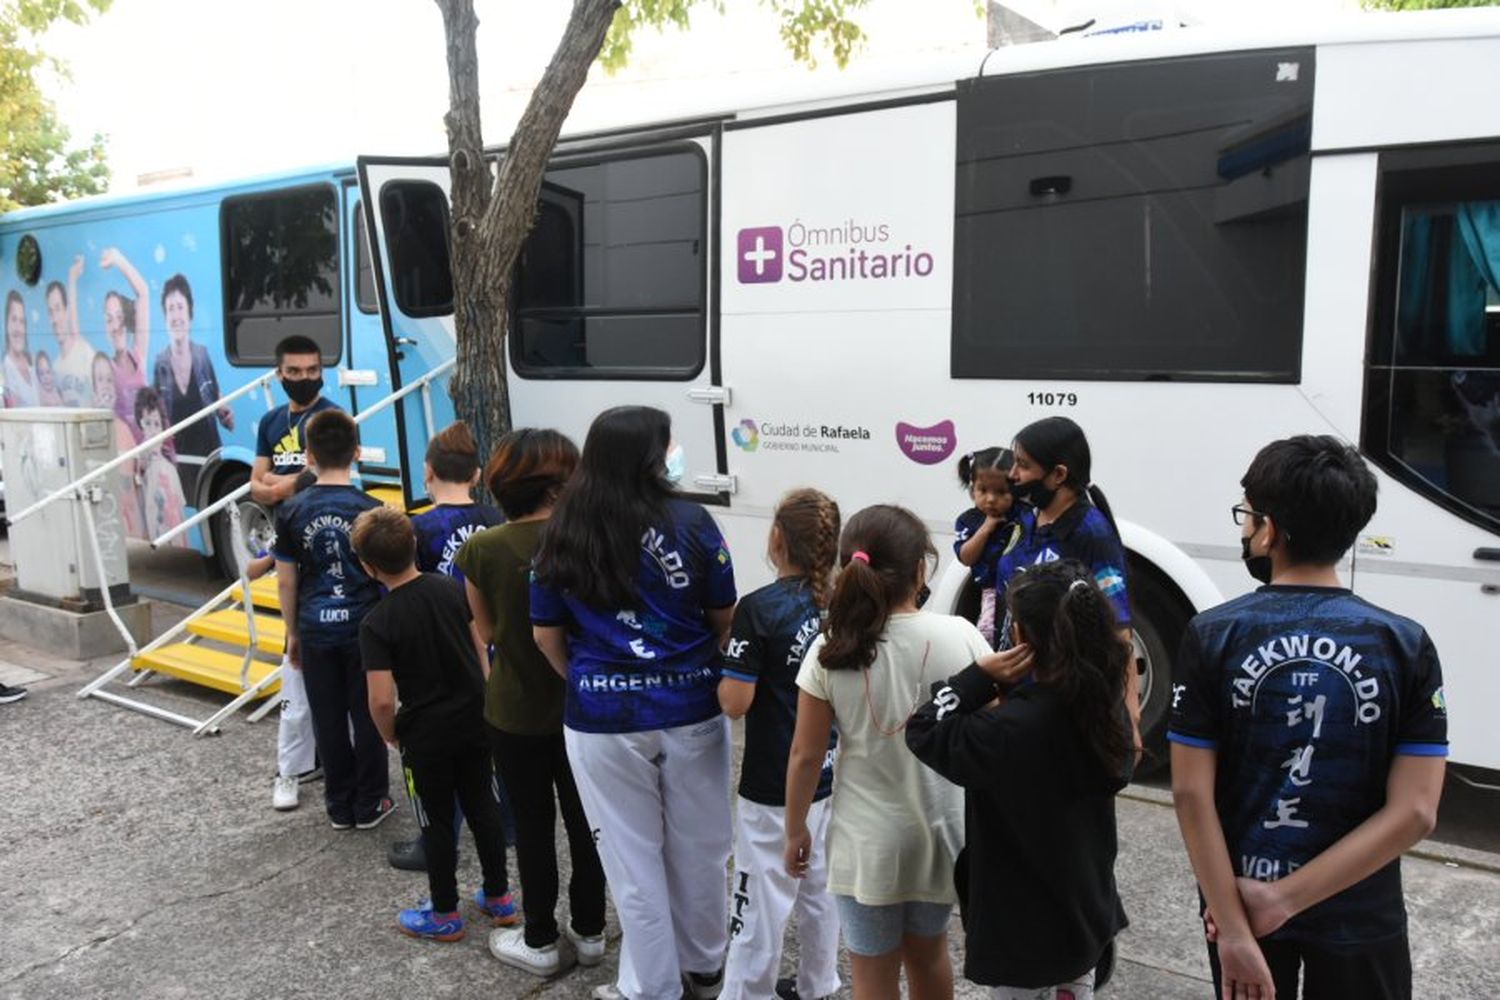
x=1191, y=242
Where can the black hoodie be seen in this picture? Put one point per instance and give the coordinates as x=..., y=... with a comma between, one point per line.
x=1037, y=881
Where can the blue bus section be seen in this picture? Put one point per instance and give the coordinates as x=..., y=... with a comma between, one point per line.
x=155, y=306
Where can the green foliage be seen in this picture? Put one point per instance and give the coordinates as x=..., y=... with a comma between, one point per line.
x=1426, y=4
x=806, y=25
x=37, y=161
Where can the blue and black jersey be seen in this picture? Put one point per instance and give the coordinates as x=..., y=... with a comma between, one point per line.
x=772, y=629
x=443, y=529
x=281, y=437
x=312, y=533
x=1082, y=533
x=1307, y=694
x=655, y=665
x=1006, y=533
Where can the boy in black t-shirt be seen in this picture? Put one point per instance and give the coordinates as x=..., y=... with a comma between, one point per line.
x=418, y=643
x=1309, y=733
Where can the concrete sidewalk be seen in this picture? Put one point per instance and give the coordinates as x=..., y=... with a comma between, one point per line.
x=141, y=862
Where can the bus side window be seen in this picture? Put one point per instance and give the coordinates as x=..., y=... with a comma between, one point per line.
x=281, y=273
x=1432, y=401
x=611, y=281
x=365, y=296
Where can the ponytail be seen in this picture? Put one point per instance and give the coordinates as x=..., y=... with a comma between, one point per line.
x=1097, y=498
x=1071, y=625
x=879, y=554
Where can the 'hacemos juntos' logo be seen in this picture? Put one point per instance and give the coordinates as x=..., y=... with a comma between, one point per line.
x=849, y=251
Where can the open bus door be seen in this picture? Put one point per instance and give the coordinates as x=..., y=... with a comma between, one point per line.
x=612, y=297
x=406, y=215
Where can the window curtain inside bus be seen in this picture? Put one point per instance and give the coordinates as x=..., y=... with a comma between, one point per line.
x=1451, y=260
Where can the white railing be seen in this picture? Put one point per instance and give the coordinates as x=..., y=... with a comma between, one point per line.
x=71, y=490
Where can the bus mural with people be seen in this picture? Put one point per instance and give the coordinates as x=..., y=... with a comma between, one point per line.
x=1187, y=243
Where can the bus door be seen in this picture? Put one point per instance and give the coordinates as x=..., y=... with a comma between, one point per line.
x=406, y=212
x=365, y=376
x=611, y=295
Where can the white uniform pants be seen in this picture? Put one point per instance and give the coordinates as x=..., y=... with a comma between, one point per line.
x=296, y=750
x=763, y=896
x=659, y=802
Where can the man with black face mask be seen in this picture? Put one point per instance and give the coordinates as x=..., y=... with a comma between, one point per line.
x=280, y=458
x=1308, y=735
x=280, y=470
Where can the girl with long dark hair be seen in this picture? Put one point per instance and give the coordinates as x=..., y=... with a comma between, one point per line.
x=632, y=598
x=1068, y=517
x=895, y=828
x=1041, y=769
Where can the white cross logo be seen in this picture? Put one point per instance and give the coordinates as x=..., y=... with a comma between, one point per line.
x=760, y=255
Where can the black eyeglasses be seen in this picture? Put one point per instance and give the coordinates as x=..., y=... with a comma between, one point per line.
x=1240, y=513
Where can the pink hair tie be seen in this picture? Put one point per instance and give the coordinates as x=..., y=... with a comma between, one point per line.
x=861, y=556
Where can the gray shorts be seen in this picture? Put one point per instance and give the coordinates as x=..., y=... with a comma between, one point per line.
x=877, y=930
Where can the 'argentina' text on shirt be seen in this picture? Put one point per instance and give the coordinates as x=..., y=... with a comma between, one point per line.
x=650, y=681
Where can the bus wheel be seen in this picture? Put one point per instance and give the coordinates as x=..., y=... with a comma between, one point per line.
x=257, y=530
x=1159, y=617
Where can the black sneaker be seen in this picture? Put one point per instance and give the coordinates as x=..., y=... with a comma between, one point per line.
x=382, y=811
x=408, y=855
x=786, y=989
x=705, y=985
x=316, y=774
x=9, y=694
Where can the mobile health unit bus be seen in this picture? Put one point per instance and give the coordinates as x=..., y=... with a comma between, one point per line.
x=1191, y=242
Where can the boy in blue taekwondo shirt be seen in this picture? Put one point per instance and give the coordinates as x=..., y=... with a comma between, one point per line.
x=1308, y=740
x=324, y=596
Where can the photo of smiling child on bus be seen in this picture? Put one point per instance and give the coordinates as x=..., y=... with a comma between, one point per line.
x=986, y=531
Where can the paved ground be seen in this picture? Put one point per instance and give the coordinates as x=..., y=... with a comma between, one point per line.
x=141, y=862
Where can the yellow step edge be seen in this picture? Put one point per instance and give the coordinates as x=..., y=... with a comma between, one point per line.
x=262, y=593
x=229, y=626
x=205, y=667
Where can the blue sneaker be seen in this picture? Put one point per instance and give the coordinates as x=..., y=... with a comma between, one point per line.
x=501, y=909
x=421, y=922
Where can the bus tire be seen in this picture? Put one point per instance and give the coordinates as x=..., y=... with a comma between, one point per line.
x=1159, y=616
x=231, y=553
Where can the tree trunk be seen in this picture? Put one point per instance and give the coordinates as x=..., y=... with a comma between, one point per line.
x=490, y=223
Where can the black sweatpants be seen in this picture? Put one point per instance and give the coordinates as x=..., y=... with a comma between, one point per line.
x=355, y=775
x=456, y=767
x=533, y=769
x=1377, y=971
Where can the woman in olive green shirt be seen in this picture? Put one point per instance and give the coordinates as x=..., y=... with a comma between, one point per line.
x=523, y=706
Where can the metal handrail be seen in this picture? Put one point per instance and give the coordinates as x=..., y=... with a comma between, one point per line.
x=420, y=384
x=72, y=488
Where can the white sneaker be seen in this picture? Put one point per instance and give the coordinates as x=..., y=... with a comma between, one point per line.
x=607, y=991
x=508, y=944
x=589, y=947
x=284, y=794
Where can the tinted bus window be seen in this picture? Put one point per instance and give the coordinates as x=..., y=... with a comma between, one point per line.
x=281, y=273
x=611, y=280
x=1432, y=411
x=364, y=275
x=1143, y=220
x=415, y=216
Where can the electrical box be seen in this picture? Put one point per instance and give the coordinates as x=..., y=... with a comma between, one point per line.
x=42, y=450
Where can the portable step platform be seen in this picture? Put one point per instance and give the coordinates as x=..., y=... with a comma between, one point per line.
x=211, y=668
x=230, y=627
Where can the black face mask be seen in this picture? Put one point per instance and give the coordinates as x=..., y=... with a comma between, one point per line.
x=923, y=592
x=1257, y=566
x=1036, y=493
x=302, y=391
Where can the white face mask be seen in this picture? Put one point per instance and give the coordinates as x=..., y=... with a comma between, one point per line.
x=676, y=464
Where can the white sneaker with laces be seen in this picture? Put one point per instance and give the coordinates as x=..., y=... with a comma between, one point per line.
x=589, y=947
x=284, y=794
x=508, y=944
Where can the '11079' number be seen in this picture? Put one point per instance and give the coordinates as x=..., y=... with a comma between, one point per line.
x=1052, y=398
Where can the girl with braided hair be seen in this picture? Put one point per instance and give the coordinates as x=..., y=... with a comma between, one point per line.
x=772, y=630
x=1040, y=764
